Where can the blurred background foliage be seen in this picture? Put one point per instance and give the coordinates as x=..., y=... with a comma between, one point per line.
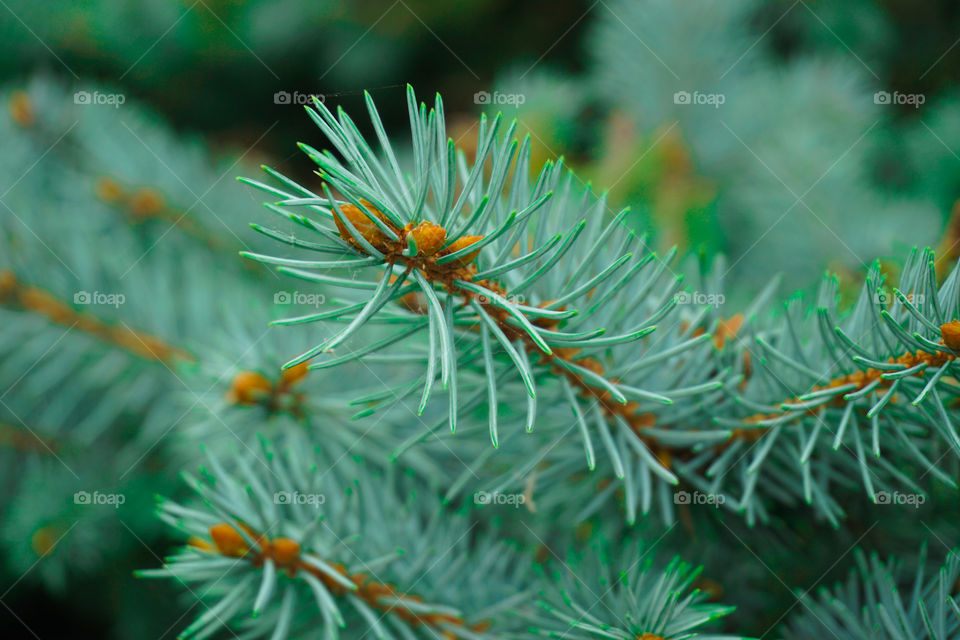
x=800, y=169
x=597, y=80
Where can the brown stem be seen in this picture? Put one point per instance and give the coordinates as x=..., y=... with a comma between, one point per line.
x=864, y=378
x=17, y=295
x=447, y=275
x=287, y=555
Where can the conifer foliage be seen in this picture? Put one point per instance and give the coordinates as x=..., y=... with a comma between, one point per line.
x=447, y=393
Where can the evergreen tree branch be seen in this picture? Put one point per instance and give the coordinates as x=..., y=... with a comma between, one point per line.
x=879, y=600
x=279, y=547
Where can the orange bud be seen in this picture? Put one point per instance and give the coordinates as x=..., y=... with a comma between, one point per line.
x=108, y=189
x=650, y=636
x=247, y=386
x=950, y=333
x=44, y=541
x=364, y=226
x=727, y=329
x=21, y=108
x=146, y=202
x=228, y=540
x=294, y=374
x=429, y=238
x=462, y=243
x=285, y=551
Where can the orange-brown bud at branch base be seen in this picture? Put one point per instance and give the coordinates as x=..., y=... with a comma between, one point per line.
x=146, y=202
x=228, y=540
x=21, y=108
x=429, y=237
x=294, y=374
x=727, y=329
x=462, y=243
x=364, y=225
x=108, y=189
x=285, y=551
x=950, y=333
x=247, y=387
x=44, y=541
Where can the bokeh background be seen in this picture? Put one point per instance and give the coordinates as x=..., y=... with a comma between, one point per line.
x=789, y=136
x=803, y=166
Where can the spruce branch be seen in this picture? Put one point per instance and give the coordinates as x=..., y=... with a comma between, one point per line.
x=880, y=599
x=473, y=280
x=135, y=170
x=284, y=543
x=628, y=597
x=856, y=396
x=500, y=294
x=16, y=294
x=818, y=400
